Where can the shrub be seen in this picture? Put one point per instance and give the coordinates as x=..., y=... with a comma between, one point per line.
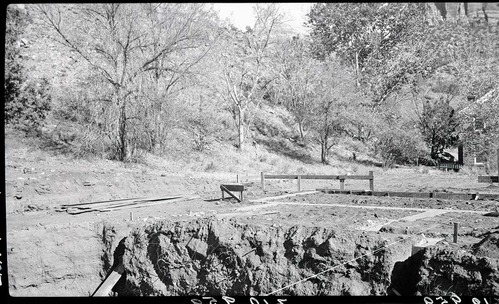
x=26, y=103
x=399, y=146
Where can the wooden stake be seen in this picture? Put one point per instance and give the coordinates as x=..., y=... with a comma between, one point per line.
x=237, y=178
x=263, y=181
x=299, y=183
x=455, y=232
x=342, y=184
x=371, y=180
x=131, y=215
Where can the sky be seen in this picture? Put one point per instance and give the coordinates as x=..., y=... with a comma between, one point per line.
x=241, y=14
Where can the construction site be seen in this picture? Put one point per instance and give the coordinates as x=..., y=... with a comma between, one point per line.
x=274, y=150
x=232, y=234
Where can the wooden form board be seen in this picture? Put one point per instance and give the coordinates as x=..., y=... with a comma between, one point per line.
x=437, y=195
x=450, y=166
x=488, y=179
x=299, y=177
x=334, y=177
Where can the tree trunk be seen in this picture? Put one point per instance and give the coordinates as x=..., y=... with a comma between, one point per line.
x=300, y=128
x=324, y=151
x=357, y=68
x=241, y=128
x=159, y=131
x=122, y=136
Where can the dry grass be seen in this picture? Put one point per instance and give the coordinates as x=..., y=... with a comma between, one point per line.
x=224, y=159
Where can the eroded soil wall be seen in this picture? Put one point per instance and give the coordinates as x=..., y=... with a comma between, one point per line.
x=223, y=257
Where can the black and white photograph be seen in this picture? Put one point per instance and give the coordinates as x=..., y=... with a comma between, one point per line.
x=226, y=153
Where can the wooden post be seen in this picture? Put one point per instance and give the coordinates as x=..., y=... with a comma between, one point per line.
x=371, y=180
x=237, y=178
x=342, y=184
x=455, y=232
x=299, y=183
x=263, y=181
x=131, y=216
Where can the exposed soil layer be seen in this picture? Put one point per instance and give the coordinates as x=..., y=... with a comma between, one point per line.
x=224, y=257
x=243, y=248
x=442, y=269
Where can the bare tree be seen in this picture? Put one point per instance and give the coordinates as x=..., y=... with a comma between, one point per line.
x=296, y=71
x=123, y=43
x=245, y=65
x=334, y=97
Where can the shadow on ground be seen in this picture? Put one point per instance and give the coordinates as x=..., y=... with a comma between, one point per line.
x=285, y=147
x=352, y=159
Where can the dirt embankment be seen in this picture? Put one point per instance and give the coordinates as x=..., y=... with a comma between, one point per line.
x=62, y=260
x=442, y=269
x=209, y=256
x=223, y=257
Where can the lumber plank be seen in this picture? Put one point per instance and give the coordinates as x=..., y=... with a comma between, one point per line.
x=154, y=199
x=488, y=179
x=234, y=187
x=439, y=195
x=356, y=177
x=117, y=203
x=75, y=211
x=272, y=176
x=101, y=202
x=150, y=203
x=107, y=285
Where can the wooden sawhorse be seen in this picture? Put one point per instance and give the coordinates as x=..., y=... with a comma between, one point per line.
x=232, y=187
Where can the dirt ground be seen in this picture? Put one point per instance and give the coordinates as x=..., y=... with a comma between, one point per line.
x=53, y=253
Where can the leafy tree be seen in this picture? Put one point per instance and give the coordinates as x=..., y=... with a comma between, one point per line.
x=479, y=128
x=438, y=124
x=27, y=101
x=399, y=143
x=464, y=61
x=364, y=35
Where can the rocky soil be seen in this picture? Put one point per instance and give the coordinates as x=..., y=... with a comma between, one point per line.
x=224, y=257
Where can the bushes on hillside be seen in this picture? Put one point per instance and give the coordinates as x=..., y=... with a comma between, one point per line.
x=27, y=101
x=401, y=146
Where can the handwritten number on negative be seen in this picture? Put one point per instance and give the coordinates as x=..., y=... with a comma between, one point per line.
x=228, y=300
x=477, y=301
x=455, y=298
x=440, y=300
